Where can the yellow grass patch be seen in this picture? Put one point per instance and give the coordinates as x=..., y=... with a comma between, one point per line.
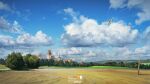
x=79, y=76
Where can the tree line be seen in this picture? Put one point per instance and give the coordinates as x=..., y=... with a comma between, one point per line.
x=16, y=61
x=70, y=63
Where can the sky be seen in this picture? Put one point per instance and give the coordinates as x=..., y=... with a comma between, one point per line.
x=83, y=30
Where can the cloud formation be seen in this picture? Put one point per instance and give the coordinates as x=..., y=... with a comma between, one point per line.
x=85, y=33
x=142, y=5
x=6, y=41
x=40, y=38
x=88, y=32
x=23, y=41
x=26, y=40
x=14, y=27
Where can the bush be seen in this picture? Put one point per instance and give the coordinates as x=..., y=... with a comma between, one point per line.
x=15, y=61
x=31, y=61
x=44, y=62
x=51, y=62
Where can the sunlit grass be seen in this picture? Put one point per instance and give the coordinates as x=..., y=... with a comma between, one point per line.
x=89, y=67
x=89, y=76
x=146, y=63
x=3, y=66
x=108, y=67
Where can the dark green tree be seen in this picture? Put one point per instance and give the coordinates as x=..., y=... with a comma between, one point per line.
x=31, y=61
x=51, y=62
x=15, y=61
x=2, y=61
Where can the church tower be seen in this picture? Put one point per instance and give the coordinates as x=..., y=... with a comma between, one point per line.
x=49, y=55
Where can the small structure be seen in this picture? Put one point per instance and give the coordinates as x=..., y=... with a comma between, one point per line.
x=50, y=57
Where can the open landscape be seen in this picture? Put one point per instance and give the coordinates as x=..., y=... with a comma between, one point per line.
x=74, y=41
x=62, y=75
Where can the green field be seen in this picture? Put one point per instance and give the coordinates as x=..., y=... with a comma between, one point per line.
x=3, y=67
x=64, y=75
x=146, y=63
x=90, y=67
x=107, y=67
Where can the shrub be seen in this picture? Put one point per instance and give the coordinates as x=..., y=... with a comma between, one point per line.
x=15, y=61
x=31, y=61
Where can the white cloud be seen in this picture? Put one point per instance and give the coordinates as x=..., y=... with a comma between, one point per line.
x=68, y=51
x=26, y=40
x=4, y=6
x=88, y=32
x=40, y=38
x=22, y=41
x=6, y=41
x=143, y=52
x=14, y=27
x=94, y=54
x=25, y=43
x=142, y=5
x=71, y=12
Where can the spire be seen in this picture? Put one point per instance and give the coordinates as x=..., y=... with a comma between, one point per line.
x=49, y=54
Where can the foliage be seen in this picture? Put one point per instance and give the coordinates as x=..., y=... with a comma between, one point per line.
x=2, y=61
x=15, y=61
x=43, y=62
x=51, y=62
x=31, y=61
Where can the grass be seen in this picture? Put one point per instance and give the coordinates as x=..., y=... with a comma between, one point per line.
x=3, y=68
x=146, y=63
x=74, y=75
x=90, y=67
x=107, y=67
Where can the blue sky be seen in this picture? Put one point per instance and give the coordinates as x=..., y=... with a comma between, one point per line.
x=75, y=27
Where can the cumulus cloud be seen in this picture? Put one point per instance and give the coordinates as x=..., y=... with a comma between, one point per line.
x=40, y=38
x=14, y=27
x=6, y=41
x=142, y=5
x=22, y=41
x=143, y=52
x=101, y=54
x=25, y=41
x=88, y=32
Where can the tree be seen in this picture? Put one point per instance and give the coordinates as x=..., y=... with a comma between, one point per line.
x=31, y=61
x=43, y=62
x=2, y=61
x=51, y=62
x=26, y=59
x=15, y=61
